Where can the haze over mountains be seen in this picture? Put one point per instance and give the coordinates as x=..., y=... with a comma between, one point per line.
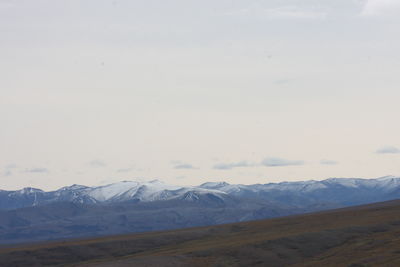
x=78, y=211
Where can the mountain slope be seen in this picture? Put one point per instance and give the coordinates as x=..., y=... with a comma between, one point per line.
x=62, y=220
x=127, y=207
x=339, y=191
x=334, y=191
x=359, y=236
x=113, y=193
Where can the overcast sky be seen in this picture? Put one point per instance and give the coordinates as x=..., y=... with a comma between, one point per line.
x=94, y=91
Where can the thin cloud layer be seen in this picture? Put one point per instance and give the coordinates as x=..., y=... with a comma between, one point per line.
x=185, y=166
x=7, y=173
x=97, y=163
x=8, y=170
x=37, y=170
x=388, y=150
x=328, y=162
x=279, y=162
x=11, y=166
x=381, y=8
x=125, y=170
x=229, y=166
x=293, y=12
x=279, y=12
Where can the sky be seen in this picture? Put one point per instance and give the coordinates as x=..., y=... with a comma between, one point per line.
x=98, y=91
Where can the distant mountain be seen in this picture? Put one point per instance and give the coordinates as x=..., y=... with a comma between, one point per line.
x=113, y=193
x=79, y=211
x=338, y=191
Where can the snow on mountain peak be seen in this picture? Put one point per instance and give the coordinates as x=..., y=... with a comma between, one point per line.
x=346, y=182
x=29, y=190
x=129, y=189
x=386, y=182
x=106, y=192
x=195, y=193
x=157, y=190
x=214, y=184
x=73, y=187
x=156, y=181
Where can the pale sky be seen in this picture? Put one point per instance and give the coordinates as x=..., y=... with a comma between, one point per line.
x=93, y=91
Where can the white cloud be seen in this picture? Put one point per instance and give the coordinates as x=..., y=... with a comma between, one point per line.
x=381, y=7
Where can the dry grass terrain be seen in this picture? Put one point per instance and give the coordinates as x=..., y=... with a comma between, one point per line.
x=360, y=236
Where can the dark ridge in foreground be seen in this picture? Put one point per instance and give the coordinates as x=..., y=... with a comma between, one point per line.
x=359, y=236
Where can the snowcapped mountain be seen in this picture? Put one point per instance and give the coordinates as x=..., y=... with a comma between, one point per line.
x=145, y=192
x=337, y=191
x=130, y=190
x=113, y=193
x=341, y=191
x=31, y=214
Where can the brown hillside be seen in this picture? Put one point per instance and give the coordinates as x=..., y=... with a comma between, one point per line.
x=359, y=236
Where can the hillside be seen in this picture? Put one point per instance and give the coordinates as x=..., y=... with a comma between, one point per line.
x=31, y=215
x=358, y=236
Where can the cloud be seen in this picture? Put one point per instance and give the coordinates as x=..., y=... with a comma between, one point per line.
x=97, y=163
x=380, y=8
x=7, y=4
x=280, y=12
x=182, y=165
x=7, y=173
x=9, y=169
x=11, y=166
x=328, y=162
x=125, y=170
x=388, y=150
x=37, y=170
x=269, y=162
x=185, y=166
x=282, y=81
x=229, y=166
x=278, y=162
x=293, y=12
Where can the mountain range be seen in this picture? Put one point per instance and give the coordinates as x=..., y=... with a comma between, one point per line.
x=340, y=191
x=74, y=211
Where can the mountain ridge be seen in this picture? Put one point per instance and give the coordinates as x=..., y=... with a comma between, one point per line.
x=31, y=215
x=156, y=190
